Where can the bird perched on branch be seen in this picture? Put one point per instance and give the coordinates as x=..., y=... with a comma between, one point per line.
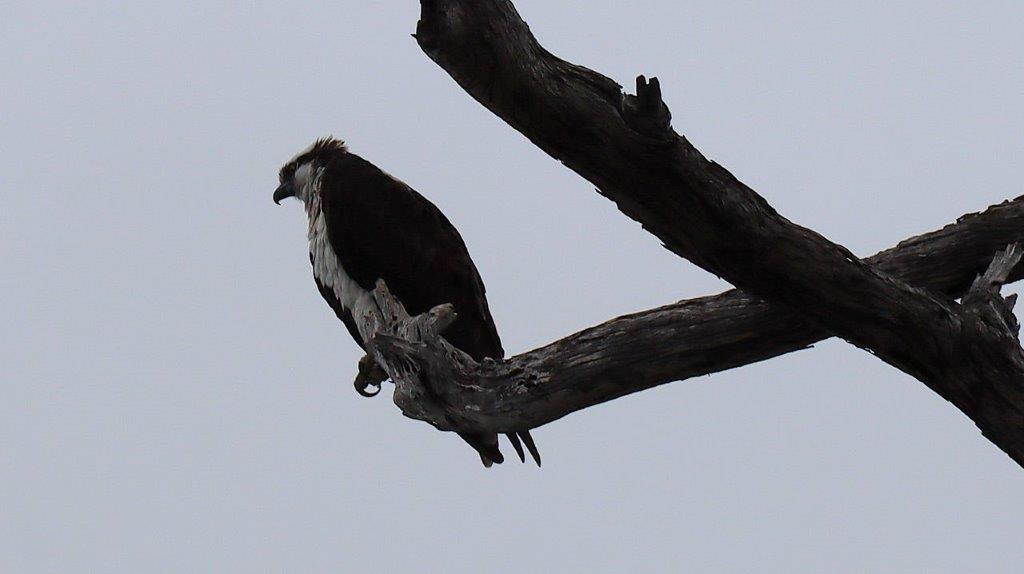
x=365, y=225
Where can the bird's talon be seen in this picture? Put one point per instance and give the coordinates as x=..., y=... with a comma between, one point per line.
x=361, y=388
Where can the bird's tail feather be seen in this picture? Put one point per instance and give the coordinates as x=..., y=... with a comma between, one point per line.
x=516, y=444
x=487, y=446
x=517, y=439
x=530, y=446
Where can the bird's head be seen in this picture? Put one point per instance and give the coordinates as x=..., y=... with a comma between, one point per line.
x=297, y=175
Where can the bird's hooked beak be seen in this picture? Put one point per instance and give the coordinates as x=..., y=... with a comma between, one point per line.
x=284, y=190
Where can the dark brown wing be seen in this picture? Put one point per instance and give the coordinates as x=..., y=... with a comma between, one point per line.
x=381, y=228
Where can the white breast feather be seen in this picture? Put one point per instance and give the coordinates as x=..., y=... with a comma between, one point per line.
x=326, y=267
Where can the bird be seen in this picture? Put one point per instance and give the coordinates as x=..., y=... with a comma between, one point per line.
x=365, y=225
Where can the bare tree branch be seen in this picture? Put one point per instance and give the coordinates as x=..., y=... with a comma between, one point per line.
x=625, y=145
x=675, y=342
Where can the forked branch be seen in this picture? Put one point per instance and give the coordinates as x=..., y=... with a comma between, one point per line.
x=626, y=146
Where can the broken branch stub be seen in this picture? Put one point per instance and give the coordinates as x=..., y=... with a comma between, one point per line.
x=423, y=366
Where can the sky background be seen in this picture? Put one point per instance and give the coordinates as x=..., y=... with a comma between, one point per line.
x=176, y=397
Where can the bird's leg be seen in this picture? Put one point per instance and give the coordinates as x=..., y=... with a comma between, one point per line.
x=370, y=375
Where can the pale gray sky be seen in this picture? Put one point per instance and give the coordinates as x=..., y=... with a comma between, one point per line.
x=176, y=397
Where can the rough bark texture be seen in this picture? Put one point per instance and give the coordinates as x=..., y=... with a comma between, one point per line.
x=625, y=145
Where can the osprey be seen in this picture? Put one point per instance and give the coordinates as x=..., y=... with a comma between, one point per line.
x=365, y=225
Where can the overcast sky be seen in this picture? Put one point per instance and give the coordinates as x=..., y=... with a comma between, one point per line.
x=176, y=397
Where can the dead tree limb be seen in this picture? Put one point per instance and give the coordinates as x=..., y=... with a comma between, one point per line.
x=643, y=350
x=625, y=145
